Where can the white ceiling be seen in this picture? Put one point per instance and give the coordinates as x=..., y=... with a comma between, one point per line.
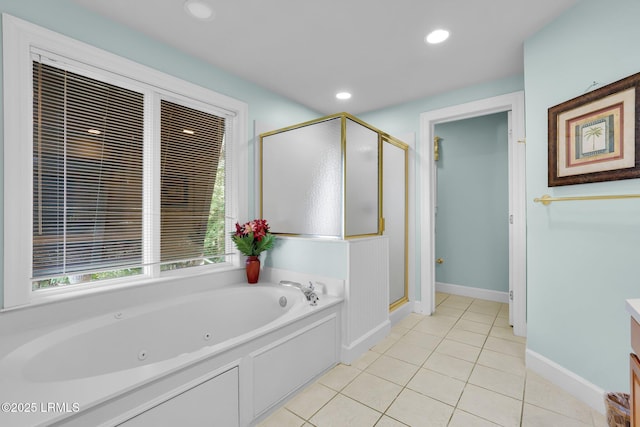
x=307, y=51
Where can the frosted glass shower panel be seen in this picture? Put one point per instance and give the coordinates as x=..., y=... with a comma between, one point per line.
x=394, y=212
x=362, y=183
x=302, y=180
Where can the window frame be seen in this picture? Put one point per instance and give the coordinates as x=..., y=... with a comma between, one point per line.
x=20, y=40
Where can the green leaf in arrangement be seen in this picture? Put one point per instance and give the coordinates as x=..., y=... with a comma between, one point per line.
x=253, y=237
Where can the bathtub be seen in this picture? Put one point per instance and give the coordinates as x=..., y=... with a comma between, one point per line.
x=116, y=368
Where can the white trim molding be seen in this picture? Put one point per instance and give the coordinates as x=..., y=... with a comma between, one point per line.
x=513, y=102
x=572, y=383
x=351, y=352
x=469, y=291
x=21, y=40
x=420, y=308
x=401, y=312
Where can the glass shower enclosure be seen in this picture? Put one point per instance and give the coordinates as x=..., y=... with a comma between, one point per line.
x=330, y=178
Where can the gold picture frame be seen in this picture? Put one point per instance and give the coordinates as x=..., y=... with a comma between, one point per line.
x=596, y=137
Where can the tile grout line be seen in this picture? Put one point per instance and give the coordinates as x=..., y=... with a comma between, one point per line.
x=421, y=366
x=524, y=390
x=526, y=376
x=474, y=364
x=404, y=387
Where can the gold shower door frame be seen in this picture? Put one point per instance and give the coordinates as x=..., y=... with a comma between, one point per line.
x=399, y=144
x=382, y=139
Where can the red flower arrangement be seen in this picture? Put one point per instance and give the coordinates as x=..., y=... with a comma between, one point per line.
x=253, y=237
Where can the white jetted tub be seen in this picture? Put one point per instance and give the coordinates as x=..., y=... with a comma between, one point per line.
x=238, y=350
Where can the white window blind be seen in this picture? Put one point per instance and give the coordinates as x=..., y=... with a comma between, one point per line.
x=193, y=184
x=89, y=189
x=87, y=177
x=83, y=172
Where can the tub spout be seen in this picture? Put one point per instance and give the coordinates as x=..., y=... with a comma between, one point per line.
x=308, y=291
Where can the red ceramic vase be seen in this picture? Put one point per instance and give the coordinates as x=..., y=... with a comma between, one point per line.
x=252, y=265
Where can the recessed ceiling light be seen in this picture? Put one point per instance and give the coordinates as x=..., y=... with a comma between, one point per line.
x=188, y=131
x=437, y=36
x=199, y=9
x=94, y=131
x=343, y=95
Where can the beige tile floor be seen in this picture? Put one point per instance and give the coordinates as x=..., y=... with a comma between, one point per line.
x=461, y=367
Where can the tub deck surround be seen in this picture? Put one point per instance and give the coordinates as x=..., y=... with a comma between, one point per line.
x=112, y=364
x=136, y=337
x=65, y=308
x=324, y=285
x=363, y=284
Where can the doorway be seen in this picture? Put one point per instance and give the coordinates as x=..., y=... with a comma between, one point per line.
x=472, y=207
x=514, y=103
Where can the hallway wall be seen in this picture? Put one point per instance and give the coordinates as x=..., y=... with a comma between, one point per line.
x=472, y=232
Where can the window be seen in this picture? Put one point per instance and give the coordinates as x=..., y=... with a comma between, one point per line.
x=88, y=139
x=192, y=173
x=125, y=173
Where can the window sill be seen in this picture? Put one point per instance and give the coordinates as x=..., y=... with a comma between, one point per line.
x=136, y=289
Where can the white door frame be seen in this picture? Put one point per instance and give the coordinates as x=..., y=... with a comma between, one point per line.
x=513, y=102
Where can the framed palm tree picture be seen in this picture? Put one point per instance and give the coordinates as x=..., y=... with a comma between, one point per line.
x=596, y=136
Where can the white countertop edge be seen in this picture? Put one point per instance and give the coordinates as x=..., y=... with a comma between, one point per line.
x=633, y=307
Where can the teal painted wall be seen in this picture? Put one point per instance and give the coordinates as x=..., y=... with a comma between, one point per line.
x=65, y=17
x=582, y=257
x=403, y=118
x=327, y=258
x=472, y=231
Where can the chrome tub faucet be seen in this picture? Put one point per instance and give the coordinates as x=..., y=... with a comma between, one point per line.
x=308, y=291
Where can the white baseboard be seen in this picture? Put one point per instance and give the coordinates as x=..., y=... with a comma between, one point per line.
x=420, y=308
x=401, y=312
x=468, y=291
x=360, y=346
x=573, y=384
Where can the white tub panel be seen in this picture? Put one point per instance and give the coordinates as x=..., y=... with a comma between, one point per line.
x=286, y=365
x=214, y=402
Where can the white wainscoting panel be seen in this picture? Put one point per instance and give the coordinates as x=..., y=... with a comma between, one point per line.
x=366, y=308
